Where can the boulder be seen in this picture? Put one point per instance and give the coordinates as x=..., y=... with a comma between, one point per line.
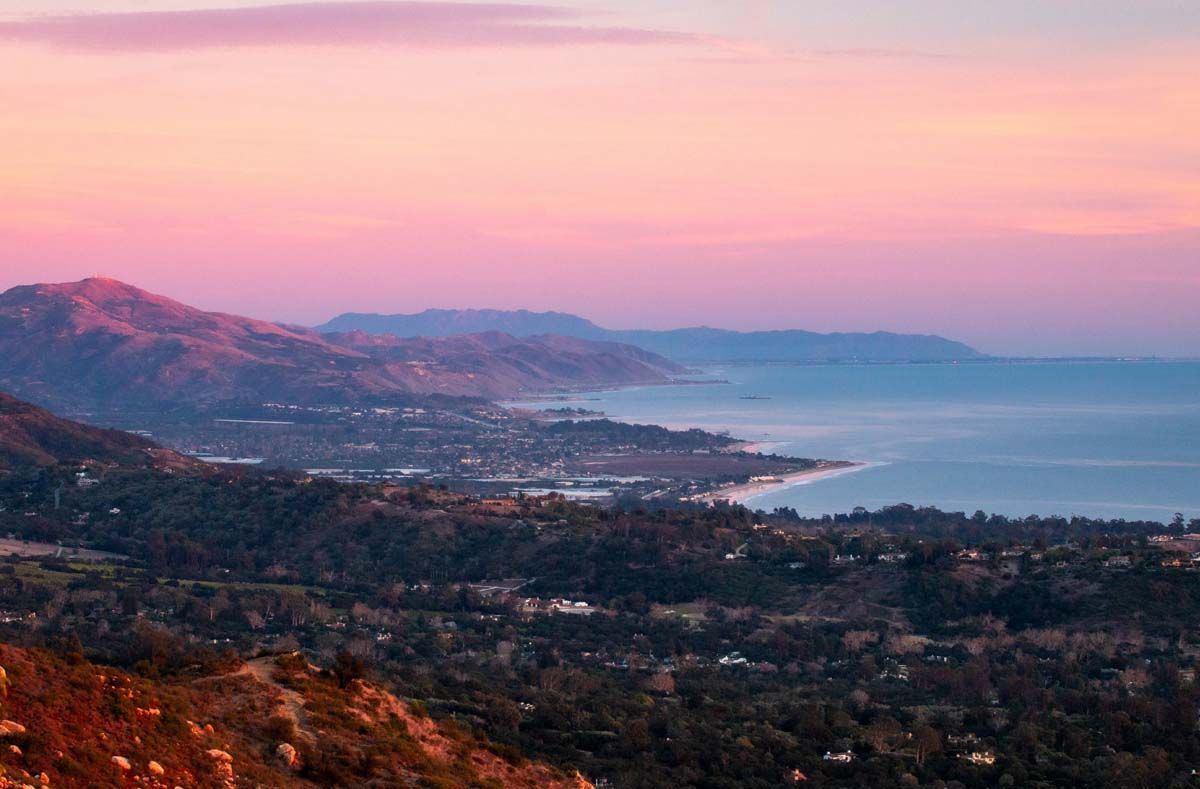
x=224, y=766
x=286, y=752
x=122, y=763
x=10, y=727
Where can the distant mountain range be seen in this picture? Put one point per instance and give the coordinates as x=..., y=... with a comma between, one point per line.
x=448, y=323
x=32, y=436
x=103, y=343
x=683, y=345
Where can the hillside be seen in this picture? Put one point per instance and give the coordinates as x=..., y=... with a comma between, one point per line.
x=649, y=648
x=32, y=436
x=266, y=723
x=494, y=364
x=685, y=345
x=103, y=343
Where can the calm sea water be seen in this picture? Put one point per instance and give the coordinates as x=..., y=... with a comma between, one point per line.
x=1101, y=439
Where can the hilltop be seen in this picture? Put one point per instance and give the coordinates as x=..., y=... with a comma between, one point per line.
x=104, y=343
x=693, y=344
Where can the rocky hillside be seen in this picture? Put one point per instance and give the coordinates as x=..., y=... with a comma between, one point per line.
x=103, y=343
x=269, y=723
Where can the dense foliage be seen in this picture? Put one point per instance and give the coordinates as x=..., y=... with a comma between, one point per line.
x=707, y=647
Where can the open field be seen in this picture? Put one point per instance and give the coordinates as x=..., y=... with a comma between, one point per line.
x=25, y=548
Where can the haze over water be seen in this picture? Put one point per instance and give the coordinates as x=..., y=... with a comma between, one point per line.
x=1098, y=439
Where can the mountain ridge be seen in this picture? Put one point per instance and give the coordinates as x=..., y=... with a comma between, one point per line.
x=104, y=343
x=689, y=344
x=448, y=322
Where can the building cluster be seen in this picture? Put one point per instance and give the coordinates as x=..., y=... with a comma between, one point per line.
x=479, y=448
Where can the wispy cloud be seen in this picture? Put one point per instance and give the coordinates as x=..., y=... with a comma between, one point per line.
x=380, y=23
x=749, y=52
x=886, y=54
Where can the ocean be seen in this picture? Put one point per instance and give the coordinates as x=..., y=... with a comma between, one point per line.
x=1096, y=439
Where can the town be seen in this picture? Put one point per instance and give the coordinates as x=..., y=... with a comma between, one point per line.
x=904, y=641
x=466, y=444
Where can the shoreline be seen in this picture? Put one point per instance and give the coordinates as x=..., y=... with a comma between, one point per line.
x=742, y=492
x=761, y=447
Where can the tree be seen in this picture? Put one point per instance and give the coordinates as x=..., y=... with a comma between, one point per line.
x=927, y=741
x=882, y=732
x=347, y=668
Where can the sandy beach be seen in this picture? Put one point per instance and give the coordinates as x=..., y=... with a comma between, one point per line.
x=761, y=447
x=741, y=493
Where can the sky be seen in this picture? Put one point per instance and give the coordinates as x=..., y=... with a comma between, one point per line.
x=1023, y=176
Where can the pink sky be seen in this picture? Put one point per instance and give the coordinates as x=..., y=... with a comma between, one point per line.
x=1023, y=180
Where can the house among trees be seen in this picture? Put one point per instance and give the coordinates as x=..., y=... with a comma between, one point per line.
x=980, y=757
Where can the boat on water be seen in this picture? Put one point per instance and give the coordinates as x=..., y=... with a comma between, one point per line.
x=754, y=397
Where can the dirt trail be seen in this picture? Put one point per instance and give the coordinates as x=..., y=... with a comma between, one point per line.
x=291, y=703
